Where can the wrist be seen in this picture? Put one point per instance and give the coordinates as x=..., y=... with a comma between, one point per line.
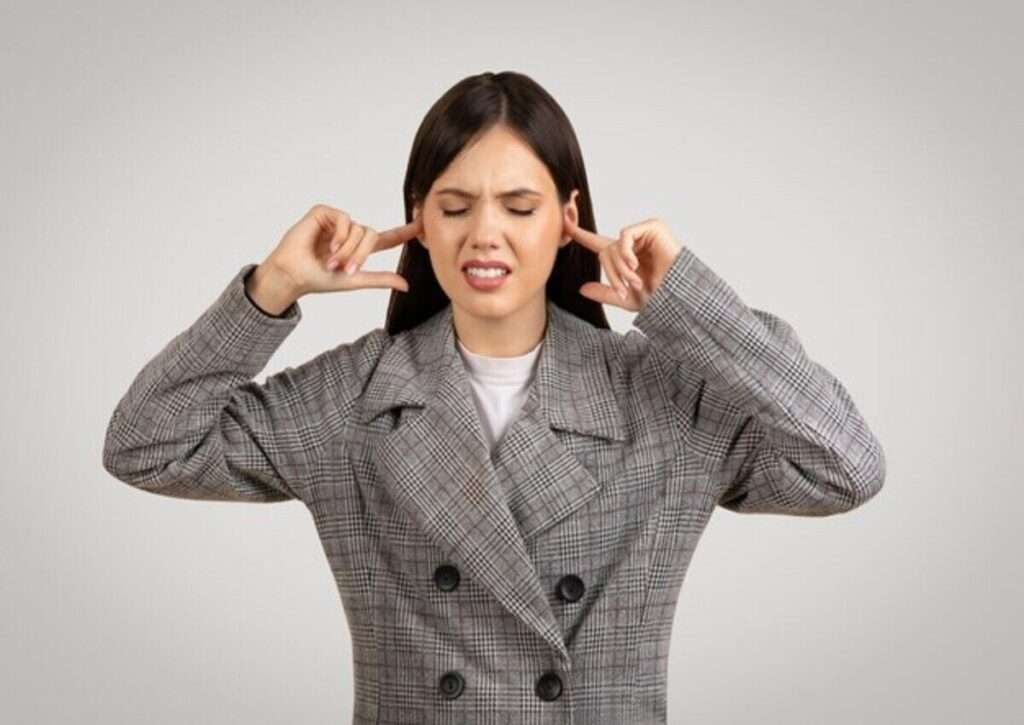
x=271, y=290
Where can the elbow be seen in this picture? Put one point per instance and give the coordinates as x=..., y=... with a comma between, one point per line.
x=112, y=460
x=877, y=479
x=130, y=467
x=852, y=488
x=118, y=459
x=867, y=479
x=116, y=464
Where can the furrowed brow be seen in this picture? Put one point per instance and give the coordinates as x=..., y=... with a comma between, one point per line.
x=518, y=191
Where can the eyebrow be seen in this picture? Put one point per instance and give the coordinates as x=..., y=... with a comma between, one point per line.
x=518, y=191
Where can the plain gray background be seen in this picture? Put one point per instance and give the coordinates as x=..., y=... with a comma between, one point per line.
x=853, y=167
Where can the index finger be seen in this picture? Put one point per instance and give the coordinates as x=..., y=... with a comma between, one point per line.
x=399, y=235
x=591, y=240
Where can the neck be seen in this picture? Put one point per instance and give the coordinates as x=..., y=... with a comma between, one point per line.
x=506, y=336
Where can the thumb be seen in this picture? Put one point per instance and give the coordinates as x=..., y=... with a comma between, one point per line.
x=364, y=279
x=600, y=293
x=386, y=280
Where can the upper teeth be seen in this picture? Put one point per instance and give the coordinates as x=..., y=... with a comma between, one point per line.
x=486, y=271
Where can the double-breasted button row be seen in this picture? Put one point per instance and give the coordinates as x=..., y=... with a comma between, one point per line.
x=569, y=588
x=548, y=686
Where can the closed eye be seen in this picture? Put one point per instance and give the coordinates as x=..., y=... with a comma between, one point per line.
x=460, y=212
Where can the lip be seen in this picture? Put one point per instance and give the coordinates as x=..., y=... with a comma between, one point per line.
x=486, y=285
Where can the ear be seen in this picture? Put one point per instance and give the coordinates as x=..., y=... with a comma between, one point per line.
x=570, y=209
x=415, y=216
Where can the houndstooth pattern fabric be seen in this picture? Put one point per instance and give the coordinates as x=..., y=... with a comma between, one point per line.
x=623, y=449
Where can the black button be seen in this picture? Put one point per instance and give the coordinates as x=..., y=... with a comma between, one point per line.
x=549, y=686
x=446, y=577
x=570, y=588
x=451, y=685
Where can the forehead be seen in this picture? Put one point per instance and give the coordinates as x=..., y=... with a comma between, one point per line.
x=496, y=161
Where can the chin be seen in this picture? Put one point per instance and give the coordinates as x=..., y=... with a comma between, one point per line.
x=490, y=307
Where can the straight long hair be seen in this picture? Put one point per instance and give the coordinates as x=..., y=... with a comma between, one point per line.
x=469, y=108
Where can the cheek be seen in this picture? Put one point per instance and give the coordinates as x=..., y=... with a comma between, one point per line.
x=436, y=242
x=542, y=244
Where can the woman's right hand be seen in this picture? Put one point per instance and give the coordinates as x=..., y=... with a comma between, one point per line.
x=313, y=253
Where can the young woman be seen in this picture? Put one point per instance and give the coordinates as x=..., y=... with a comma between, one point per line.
x=508, y=492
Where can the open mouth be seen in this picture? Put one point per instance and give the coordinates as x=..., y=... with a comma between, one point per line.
x=485, y=278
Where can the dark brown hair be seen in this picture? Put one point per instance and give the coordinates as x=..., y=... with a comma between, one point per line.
x=466, y=110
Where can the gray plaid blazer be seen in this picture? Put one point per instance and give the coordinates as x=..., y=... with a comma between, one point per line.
x=537, y=584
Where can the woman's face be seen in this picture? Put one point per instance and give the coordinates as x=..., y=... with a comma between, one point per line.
x=495, y=201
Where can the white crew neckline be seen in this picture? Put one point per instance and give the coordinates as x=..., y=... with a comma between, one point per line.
x=512, y=370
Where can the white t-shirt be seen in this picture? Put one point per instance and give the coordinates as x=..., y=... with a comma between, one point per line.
x=499, y=387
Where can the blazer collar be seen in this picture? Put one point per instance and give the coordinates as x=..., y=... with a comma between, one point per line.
x=572, y=385
x=435, y=465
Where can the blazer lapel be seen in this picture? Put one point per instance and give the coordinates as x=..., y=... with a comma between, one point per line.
x=436, y=465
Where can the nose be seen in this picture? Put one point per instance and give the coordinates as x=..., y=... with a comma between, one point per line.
x=478, y=243
x=485, y=230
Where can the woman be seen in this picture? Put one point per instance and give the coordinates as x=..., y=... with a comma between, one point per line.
x=508, y=492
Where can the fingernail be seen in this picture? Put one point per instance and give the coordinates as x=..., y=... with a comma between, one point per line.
x=349, y=267
x=331, y=264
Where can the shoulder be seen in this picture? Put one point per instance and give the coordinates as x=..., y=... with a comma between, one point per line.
x=341, y=371
x=627, y=354
x=633, y=365
x=639, y=369
x=361, y=355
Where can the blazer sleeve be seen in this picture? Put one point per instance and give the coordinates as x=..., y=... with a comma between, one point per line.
x=193, y=424
x=781, y=432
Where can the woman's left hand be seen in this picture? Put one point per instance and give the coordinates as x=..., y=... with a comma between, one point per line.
x=635, y=263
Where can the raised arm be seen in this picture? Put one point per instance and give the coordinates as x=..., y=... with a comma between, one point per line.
x=781, y=432
x=193, y=423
